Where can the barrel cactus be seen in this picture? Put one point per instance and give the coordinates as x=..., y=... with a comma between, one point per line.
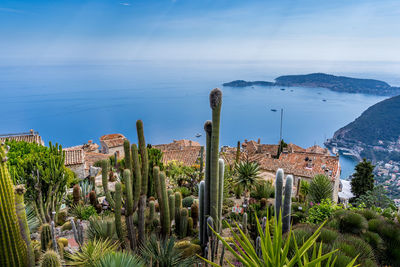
x=50, y=259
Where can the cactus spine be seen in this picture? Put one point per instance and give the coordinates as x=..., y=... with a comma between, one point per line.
x=45, y=236
x=50, y=259
x=278, y=192
x=171, y=200
x=183, y=224
x=287, y=204
x=12, y=247
x=145, y=174
x=104, y=176
x=23, y=224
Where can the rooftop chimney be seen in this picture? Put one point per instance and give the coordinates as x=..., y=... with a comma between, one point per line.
x=31, y=131
x=90, y=141
x=259, y=141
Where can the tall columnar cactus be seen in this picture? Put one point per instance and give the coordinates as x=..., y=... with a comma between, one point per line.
x=45, y=236
x=189, y=226
x=244, y=224
x=50, y=259
x=128, y=158
x=145, y=175
x=94, y=202
x=23, y=224
x=104, y=176
x=221, y=170
x=118, y=212
x=171, y=203
x=237, y=159
x=53, y=236
x=201, y=161
x=12, y=247
x=129, y=194
x=287, y=204
x=215, y=104
x=258, y=247
x=201, y=215
x=152, y=213
x=170, y=192
x=77, y=229
x=178, y=206
x=278, y=192
x=183, y=224
x=208, y=130
x=76, y=194
x=165, y=219
x=194, y=213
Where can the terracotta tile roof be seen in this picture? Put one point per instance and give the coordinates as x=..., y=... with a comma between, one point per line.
x=177, y=144
x=318, y=149
x=295, y=148
x=310, y=164
x=113, y=140
x=74, y=157
x=188, y=156
x=29, y=137
x=92, y=157
x=88, y=147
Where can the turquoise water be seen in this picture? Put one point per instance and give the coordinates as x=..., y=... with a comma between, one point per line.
x=74, y=103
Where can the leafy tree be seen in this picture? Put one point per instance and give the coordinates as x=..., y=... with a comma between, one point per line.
x=376, y=197
x=41, y=169
x=320, y=188
x=363, y=178
x=247, y=175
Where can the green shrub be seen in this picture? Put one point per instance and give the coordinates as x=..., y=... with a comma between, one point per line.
x=342, y=259
x=320, y=212
x=373, y=225
x=369, y=214
x=353, y=246
x=375, y=241
x=264, y=189
x=187, y=202
x=298, y=217
x=184, y=191
x=328, y=236
x=351, y=222
x=83, y=212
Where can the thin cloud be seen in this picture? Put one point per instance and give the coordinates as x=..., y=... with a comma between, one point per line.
x=125, y=4
x=10, y=10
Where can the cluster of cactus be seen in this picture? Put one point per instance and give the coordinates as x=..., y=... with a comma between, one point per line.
x=211, y=189
x=77, y=229
x=13, y=249
x=135, y=180
x=287, y=199
x=163, y=200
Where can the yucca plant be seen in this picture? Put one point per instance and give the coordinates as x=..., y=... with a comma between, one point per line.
x=91, y=252
x=320, y=188
x=162, y=253
x=119, y=259
x=275, y=249
x=247, y=175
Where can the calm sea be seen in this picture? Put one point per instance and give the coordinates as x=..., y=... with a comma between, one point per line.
x=73, y=103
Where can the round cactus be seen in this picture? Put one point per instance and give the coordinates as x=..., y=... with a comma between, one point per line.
x=50, y=259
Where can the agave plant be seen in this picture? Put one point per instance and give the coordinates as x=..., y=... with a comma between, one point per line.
x=91, y=252
x=162, y=253
x=101, y=229
x=120, y=258
x=274, y=249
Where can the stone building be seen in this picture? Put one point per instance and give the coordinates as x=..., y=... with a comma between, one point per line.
x=184, y=151
x=302, y=163
x=113, y=143
x=30, y=137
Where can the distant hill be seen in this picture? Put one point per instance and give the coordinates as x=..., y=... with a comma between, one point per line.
x=374, y=135
x=332, y=82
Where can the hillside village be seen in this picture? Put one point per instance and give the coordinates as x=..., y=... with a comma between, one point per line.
x=302, y=163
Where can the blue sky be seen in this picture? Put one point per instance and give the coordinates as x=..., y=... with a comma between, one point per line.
x=38, y=30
